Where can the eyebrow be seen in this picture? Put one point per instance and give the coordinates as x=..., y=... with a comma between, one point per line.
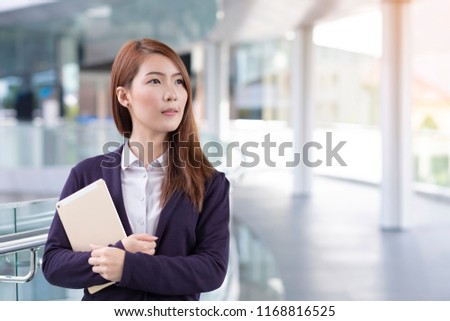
x=162, y=74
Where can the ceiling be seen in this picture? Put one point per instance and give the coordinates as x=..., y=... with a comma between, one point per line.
x=261, y=19
x=100, y=27
x=241, y=20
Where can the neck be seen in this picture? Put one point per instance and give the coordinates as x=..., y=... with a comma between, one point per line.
x=146, y=148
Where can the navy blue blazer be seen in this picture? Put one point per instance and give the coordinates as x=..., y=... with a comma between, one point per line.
x=191, y=253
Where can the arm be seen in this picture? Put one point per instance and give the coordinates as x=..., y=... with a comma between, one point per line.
x=62, y=266
x=201, y=271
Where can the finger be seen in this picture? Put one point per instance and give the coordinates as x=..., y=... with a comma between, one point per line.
x=97, y=269
x=149, y=252
x=94, y=261
x=95, y=246
x=145, y=237
x=150, y=245
x=97, y=260
x=147, y=246
x=97, y=252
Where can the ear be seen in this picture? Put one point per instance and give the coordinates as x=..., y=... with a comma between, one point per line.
x=122, y=96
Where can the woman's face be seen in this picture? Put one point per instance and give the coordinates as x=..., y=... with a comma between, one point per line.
x=157, y=97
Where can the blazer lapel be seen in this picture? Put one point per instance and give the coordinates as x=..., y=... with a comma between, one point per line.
x=166, y=213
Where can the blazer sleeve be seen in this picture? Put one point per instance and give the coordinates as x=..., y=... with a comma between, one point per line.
x=204, y=269
x=61, y=265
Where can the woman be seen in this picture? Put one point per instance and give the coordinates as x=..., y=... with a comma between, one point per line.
x=173, y=205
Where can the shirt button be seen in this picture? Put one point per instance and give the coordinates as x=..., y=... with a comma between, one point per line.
x=141, y=221
x=141, y=198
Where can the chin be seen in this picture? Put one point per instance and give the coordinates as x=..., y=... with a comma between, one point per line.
x=171, y=125
x=171, y=129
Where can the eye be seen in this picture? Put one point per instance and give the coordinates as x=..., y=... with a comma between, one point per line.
x=154, y=81
x=179, y=81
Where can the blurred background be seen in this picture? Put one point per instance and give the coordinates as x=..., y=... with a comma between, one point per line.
x=370, y=76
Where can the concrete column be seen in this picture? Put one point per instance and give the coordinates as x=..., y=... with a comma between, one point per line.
x=217, y=104
x=302, y=104
x=396, y=186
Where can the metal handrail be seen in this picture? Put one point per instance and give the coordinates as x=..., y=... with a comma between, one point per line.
x=30, y=240
x=11, y=243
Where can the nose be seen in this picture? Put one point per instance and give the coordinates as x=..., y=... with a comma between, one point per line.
x=170, y=94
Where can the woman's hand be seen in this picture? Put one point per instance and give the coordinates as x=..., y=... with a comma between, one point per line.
x=107, y=261
x=143, y=242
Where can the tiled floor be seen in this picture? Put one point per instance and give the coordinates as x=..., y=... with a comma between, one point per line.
x=330, y=246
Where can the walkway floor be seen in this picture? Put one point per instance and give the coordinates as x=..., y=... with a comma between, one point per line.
x=330, y=246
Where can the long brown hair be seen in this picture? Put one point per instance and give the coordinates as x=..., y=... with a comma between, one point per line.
x=188, y=168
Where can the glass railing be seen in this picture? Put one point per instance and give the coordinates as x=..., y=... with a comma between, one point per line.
x=50, y=146
x=259, y=277
x=16, y=219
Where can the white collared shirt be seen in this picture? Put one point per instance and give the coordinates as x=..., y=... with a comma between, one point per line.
x=141, y=189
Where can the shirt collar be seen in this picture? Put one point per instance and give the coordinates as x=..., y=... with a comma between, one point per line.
x=131, y=160
x=128, y=157
x=160, y=162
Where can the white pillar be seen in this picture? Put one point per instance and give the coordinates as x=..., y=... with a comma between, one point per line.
x=302, y=104
x=396, y=186
x=217, y=105
x=224, y=90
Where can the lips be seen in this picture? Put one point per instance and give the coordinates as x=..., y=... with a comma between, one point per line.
x=170, y=111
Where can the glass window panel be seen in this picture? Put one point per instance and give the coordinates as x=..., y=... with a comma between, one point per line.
x=347, y=93
x=260, y=81
x=431, y=93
